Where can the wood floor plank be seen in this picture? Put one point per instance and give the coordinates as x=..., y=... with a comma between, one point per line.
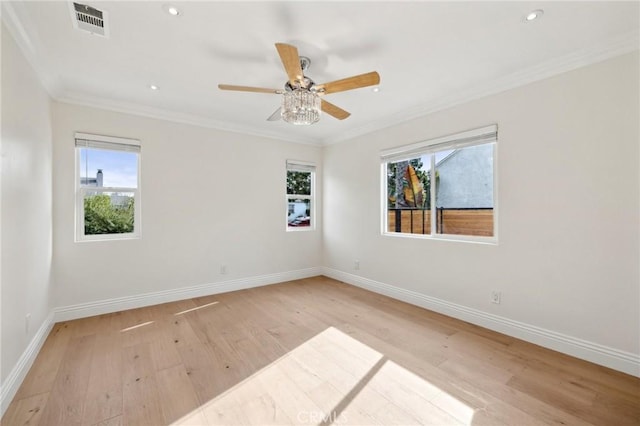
x=26, y=411
x=42, y=374
x=177, y=396
x=311, y=351
x=104, y=394
x=66, y=402
x=194, y=418
x=114, y=421
x=141, y=399
x=205, y=370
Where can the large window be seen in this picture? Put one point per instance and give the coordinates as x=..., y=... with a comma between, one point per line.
x=300, y=195
x=443, y=187
x=107, y=187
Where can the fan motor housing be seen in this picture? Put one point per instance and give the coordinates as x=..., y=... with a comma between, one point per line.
x=305, y=83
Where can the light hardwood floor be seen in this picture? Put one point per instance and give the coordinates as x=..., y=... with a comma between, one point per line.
x=312, y=351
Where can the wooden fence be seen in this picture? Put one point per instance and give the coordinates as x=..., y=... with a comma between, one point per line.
x=477, y=222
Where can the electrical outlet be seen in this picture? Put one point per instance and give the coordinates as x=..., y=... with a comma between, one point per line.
x=356, y=265
x=223, y=269
x=496, y=297
x=27, y=319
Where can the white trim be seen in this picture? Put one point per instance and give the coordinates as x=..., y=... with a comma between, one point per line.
x=616, y=46
x=82, y=310
x=466, y=139
x=10, y=386
x=305, y=167
x=181, y=118
x=603, y=355
x=619, y=360
x=111, y=143
x=12, y=383
x=16, y=19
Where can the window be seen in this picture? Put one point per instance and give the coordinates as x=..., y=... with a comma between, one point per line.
x=442, y=188
x=300, y=194
x=107, y=187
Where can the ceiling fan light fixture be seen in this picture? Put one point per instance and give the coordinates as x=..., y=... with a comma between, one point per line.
x=301, y=107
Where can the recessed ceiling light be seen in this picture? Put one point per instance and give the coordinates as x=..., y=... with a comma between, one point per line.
x=171, y=9
x=533, y=15
x=153, y=87
x=375, y=89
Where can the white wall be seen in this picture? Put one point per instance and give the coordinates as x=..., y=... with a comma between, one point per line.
x=26, y=204
x=568, y=192
x=568, y=199
x=209, y=198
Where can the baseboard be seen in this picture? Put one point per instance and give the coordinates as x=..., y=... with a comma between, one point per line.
x=609, y=357
x=10, y=386
x=13, y=381
x=100, y=307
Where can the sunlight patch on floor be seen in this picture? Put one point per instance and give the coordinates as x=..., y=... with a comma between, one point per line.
x=332, y=378
x=196, y=308
x=136, y=326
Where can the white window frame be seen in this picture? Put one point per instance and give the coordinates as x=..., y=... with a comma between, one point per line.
x=475, y=137
x=86, y=140
x=302, y=166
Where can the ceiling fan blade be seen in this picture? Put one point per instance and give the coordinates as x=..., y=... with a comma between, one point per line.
x=355, y=82
x=334, y=111
x=248, y=89
x=291, y=61
x=277, y=115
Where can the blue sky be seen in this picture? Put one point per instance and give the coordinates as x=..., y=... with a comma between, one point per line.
x=119, y=168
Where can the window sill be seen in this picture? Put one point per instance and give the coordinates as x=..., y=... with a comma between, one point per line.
x=108, y=237
x=445, y=237
x=300, y=229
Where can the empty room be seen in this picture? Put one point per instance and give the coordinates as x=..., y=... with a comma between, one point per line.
x=320, y=212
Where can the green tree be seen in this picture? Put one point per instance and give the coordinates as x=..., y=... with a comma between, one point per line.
x=102, y=217
x=299, y=183
x=397, y=181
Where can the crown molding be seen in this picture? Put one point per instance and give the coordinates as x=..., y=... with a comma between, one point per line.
x=608, y=49
x=13, y=17
x=178, y=117
x=17, y=22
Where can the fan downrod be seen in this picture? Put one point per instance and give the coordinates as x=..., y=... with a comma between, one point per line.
x=305, y=63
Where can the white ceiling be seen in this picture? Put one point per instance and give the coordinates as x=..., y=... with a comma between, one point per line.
x=430, y=55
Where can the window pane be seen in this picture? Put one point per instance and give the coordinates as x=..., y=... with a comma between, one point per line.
x=409, y=196
x=108, y=213
x=104, y=168
x=299, y=212
x=464, y=195
x=298, y=183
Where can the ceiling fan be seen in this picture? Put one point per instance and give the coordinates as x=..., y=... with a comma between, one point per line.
x=301, y=96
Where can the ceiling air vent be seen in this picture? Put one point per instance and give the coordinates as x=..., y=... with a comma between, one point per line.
x=89, y=19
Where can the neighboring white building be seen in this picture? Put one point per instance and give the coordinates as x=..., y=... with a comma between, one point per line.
x=117, y=199
x=96, y=181
x=465, y=178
